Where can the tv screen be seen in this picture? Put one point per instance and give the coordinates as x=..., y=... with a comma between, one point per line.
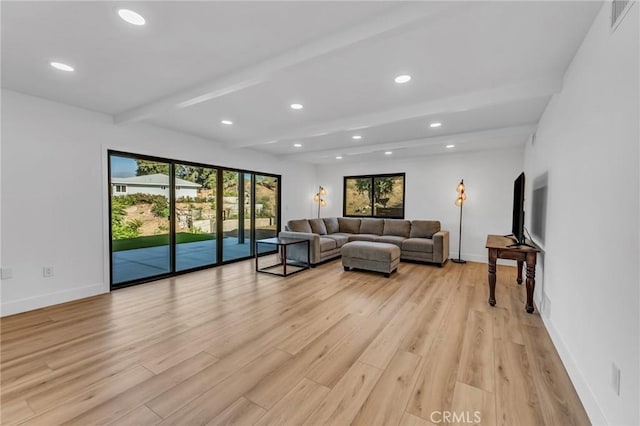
x=517, y=224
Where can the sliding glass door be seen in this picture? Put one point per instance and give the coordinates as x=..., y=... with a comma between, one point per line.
x=236, y=221
x=195, y=216
x=266, y=208
x=140, y=219
x=169, y=217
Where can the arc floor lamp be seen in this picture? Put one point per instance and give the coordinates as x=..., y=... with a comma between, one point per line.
x=460, y=202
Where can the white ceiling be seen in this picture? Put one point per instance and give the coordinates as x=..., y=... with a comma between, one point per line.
x=485, y=70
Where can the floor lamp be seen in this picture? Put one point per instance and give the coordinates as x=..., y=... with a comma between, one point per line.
x=318, y=199
x=460, y=202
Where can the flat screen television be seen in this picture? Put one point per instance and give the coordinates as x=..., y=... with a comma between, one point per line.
x=517, y=224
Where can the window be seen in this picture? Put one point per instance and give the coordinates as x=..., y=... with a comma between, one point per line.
x=374, y=196
x=121, y=188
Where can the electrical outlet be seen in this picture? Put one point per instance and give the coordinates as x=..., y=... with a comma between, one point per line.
x=615, y=378
x=47, y=271
x=6, y=273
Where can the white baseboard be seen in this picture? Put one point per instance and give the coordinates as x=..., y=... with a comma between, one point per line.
x=577, y=377
x=42, y=301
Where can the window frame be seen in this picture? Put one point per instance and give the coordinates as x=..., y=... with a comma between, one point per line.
x=373, y=200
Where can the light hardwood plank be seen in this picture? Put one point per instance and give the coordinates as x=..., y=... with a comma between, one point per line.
x=111, y=410
x=94, y=396
x=516, y=397
x=14, y=412
x=476, y=360
x=558, y=399
x=472, y=405
x=241, y=413
x=411, y=420
x=388, y=398
x=212, y=402
x=273, y=387
x=437, y=378
x=141, y=416
x=297, y=405
x=345, y=400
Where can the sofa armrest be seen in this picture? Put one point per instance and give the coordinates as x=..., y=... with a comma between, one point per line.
x=296, y=252
x=440, y=247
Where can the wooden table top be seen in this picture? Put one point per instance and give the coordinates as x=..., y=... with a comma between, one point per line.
x=502, y=242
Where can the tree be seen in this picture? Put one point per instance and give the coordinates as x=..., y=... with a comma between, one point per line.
x=146, y=167
x=382, y=186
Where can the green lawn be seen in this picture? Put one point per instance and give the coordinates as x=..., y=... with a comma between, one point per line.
x=157, y=240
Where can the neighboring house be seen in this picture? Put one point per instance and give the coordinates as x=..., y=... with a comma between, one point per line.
x=156, y=184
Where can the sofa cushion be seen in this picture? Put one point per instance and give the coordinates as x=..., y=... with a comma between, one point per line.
x=363, y=237
x=300, y=225
x=397, y=227
x=327, y=244
x=331, y=223
x=372, y=226
x=391, y=239
x=424, y=228
x=317, y=226
x=424, y=245
x=340, y=238
x=349, y=225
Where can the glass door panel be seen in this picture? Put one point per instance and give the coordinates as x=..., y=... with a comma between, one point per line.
x=140, y=219
x=266, y=208
x=195, y=216
x=236, y=242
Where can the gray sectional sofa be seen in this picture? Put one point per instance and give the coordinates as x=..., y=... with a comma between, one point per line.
x=419, y=240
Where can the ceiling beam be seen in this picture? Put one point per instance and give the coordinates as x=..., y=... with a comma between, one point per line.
x=240, y=79
x=515, y=135
x=464, y=102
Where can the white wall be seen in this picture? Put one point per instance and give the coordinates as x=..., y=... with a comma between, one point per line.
x=48, y=147
x=588, y=143
x=431, y=191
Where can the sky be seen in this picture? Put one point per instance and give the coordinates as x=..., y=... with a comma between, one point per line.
x=123, y=167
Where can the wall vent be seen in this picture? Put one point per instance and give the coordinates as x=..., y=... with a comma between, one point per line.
x=619, y=9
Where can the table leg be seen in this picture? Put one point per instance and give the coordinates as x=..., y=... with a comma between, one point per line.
x=493, y=255
x=256, y=255
x=284, y=260
x=531, y=280
x=519, y=279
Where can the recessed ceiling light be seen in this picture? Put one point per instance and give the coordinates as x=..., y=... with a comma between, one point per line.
x=356, y=137
x=296, y=106
x=131, y=17
x=401, y=79
x=435, y=125
x=450, y=146
x=388, y=153
x=227, y=122
x=339, y=157
x=297, y=145
x=62, y=67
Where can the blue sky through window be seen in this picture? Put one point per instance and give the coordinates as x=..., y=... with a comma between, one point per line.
x=123, y=166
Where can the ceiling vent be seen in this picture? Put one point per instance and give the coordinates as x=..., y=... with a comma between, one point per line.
x=619, y=9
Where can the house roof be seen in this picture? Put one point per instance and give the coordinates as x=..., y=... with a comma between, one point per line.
x=156, y=179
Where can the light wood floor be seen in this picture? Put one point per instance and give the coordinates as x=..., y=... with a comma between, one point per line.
x=229, y=346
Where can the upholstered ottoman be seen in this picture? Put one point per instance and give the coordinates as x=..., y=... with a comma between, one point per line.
x=370, y=256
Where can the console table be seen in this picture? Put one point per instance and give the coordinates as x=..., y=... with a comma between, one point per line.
x=501, y=247
x=281, y=245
